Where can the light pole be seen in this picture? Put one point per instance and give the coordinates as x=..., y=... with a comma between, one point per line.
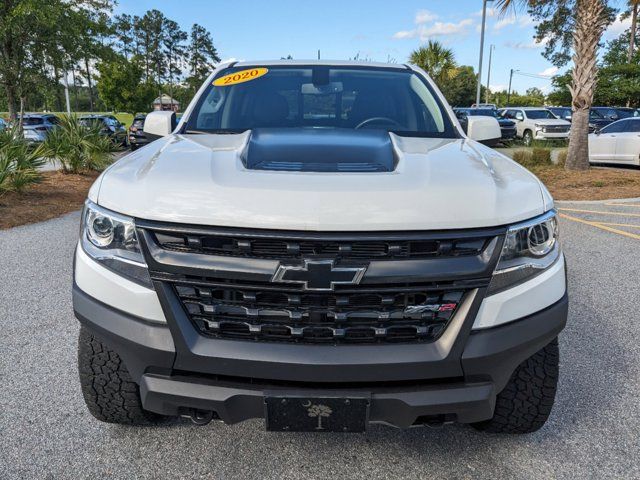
x=491, y=48
x=484, y=18
x=509, y=91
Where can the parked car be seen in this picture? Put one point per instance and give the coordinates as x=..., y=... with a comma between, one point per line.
x=561, y=112
x=319, y=245
x=536, y=123
x=626, y=112
x=618, y=142
x=36, y=126
x=492, y=106
x=3, y=124
x=137, y=137
x=507, y=127
x=596, y=120
x=109, y=126
x=614, y=113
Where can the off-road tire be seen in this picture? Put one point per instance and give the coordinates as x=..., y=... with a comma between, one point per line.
x=527, y=138
x=525, y=403
x=109, y=392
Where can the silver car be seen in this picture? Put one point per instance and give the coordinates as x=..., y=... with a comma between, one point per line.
x=37, y=126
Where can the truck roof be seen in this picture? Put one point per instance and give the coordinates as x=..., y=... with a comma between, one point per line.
x=334, y=63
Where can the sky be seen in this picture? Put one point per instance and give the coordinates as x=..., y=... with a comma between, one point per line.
x=372, y=29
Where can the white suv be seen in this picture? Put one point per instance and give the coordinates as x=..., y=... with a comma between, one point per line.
x=319, y=245
x=536, y=123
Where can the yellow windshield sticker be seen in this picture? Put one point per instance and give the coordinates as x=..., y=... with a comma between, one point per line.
x=240, y=77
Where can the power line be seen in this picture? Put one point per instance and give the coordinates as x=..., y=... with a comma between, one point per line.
x=532, y=75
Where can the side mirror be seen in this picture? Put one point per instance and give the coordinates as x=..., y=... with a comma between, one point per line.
x=483, y=129
x=159, y=124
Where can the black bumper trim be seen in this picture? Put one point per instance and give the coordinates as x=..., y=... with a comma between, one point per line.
x=141, y=344
x=477, y=370
x=468, y=402
x=494, y=353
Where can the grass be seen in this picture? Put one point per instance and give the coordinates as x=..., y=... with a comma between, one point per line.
x=597, y=183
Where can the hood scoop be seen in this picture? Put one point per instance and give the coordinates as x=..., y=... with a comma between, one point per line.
x=319, y=150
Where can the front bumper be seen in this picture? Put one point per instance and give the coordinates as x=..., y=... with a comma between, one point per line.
x=508, y=133
x=540, y=135
x=178, y=369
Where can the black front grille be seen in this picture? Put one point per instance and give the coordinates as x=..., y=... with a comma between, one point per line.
x=283, y=248
x=414, y=282
x=386, y=315
x=556, y=129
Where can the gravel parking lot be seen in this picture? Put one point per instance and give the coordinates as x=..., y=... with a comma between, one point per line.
x=594, y=431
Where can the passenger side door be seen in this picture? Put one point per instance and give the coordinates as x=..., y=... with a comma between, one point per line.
x=628, y=142
x=602, y=145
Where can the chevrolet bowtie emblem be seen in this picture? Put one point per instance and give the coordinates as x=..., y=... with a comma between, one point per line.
x=319, y=275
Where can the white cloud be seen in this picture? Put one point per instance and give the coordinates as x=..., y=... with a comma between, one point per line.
x=504, y=22
x=617, y=27
x=402, y=34
x=497, y=88
x=491, y=12
x=549, y=72
x=522, y=21
x=441, y=28
x=527, y=45
x=437, y=29
x=426, y=27
x=424, y=16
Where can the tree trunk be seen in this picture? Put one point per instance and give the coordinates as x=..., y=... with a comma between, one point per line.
x=56, y=77
x=632, y=35
x=590, y=24
x=75, y=88
x=12, y=102
x=88, y=72
x=22, y=101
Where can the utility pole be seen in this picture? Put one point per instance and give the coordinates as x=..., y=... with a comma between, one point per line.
x=509, y=91
x=484, y=19
x=318, y=54
x=66, y=91
x=491, y=48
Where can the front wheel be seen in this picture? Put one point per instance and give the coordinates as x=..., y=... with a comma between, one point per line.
x=527, y=138
x=108, y=390
x=525, y=403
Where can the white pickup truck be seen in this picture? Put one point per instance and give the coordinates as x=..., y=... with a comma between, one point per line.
x=319, y=245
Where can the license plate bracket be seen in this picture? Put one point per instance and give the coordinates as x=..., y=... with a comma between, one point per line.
x=284, y=413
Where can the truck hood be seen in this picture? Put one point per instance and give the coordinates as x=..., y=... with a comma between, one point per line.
x=435, y=184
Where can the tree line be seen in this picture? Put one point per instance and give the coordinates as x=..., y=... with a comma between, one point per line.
x=117, y=63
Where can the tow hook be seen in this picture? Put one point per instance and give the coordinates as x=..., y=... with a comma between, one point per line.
x=199, y=417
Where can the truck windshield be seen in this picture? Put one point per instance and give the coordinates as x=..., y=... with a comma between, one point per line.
x=483, y=112
x=392, y=99
x=539, y=114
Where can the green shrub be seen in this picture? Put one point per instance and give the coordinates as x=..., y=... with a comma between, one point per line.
x=523, y=157
x=562, y=157
x=18, y=161
x=541, y=156
x=77, y=148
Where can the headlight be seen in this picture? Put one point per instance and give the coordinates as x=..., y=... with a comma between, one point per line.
x=110, y=239
x=529, y=248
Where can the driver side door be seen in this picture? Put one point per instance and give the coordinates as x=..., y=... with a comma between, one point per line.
x=602, y=145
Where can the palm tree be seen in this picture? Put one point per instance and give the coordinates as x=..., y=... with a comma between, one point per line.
x=436, y=60
x=319, y=411
x=590, y=23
